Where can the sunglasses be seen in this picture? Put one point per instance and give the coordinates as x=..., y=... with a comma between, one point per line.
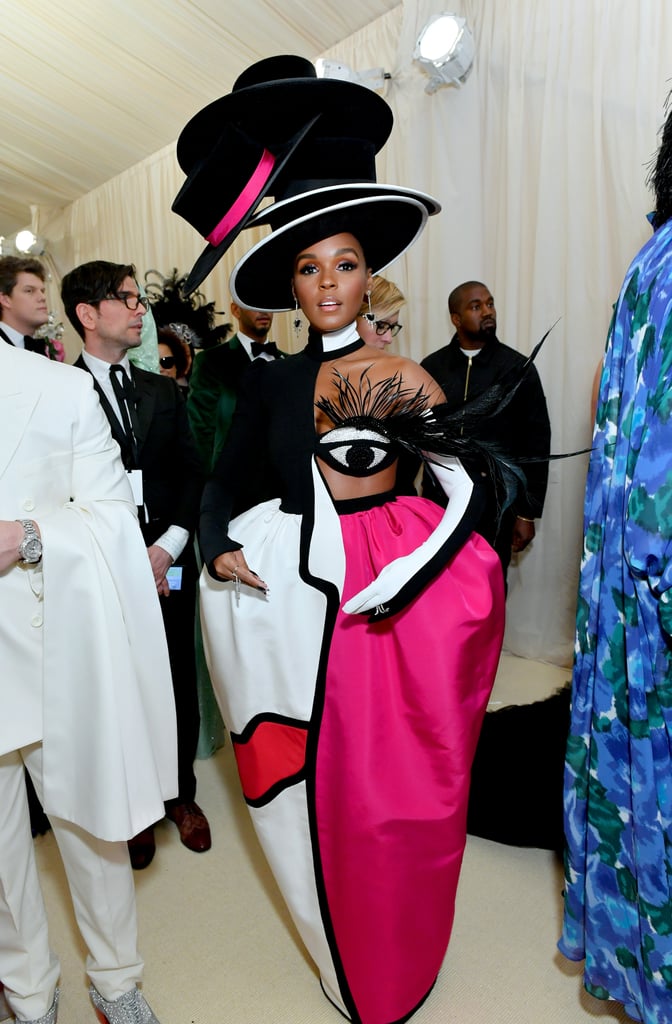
x=167, y=362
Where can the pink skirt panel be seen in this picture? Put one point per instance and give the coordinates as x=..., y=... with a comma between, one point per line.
x=403, y=708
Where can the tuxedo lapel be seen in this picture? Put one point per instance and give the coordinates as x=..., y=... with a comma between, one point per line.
x=145, y=401
x=16, y=407
x=5, y=338
x=16, y=412
x=116, y=427
x=238, y=353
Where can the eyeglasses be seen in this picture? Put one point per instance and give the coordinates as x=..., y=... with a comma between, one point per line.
x=131, y=300
x=383, y=326
x=167, y=362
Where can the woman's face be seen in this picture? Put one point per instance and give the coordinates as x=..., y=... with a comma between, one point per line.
x=330, y=280
x=167, y=356
x=370, y=332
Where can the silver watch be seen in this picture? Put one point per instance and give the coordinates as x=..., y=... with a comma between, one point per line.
x=30, y=548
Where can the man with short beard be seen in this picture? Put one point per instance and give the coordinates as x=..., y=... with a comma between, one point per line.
x=473, y=361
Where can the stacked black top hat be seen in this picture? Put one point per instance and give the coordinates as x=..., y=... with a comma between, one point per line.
x=311, y=144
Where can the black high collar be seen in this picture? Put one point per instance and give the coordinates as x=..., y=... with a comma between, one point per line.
x=314, y=349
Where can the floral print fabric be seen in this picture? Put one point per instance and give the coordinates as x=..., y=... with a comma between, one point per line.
x=618, y=773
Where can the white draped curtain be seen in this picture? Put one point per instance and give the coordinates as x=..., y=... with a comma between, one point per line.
x=539, y=161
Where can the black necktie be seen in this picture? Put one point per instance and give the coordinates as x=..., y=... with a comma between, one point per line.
x=267, y=347
x=123, y=392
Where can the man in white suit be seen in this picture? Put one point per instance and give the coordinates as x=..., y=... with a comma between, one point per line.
x=86, y=700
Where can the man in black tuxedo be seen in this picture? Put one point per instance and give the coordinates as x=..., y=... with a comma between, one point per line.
x=23, y=302
x=148, y=419
x=215, y=381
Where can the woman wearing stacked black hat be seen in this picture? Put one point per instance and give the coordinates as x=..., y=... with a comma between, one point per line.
x=352, y=636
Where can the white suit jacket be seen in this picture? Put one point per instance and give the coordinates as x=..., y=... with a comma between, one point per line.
x=84, y=664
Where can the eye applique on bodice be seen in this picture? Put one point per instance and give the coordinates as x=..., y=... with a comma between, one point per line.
x=356, y=449
x=370, y=422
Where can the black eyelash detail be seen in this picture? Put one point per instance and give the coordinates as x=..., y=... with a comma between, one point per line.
x=387, y=406
x=404, y=416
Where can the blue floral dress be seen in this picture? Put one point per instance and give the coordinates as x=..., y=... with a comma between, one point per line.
x=618, y=776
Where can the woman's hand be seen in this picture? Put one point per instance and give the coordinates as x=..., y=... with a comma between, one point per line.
x=232, y=566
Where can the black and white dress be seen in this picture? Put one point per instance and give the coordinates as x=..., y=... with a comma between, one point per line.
x=353, y=738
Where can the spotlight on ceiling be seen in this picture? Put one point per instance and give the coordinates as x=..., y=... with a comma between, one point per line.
x=23, y=243
x=445, y=51
x=28, y=243
x=373, y=78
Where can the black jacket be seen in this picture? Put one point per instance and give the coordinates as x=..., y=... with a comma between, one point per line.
x=172, y=474
x=213, y=392
x=522, y=430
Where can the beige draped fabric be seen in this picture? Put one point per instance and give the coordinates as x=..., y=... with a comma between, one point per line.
x=540, y=162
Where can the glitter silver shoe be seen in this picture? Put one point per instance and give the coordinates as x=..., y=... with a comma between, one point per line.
x=49, y=1017
x=131, y=1008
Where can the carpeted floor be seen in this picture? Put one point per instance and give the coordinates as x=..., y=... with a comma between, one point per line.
x=220, y=948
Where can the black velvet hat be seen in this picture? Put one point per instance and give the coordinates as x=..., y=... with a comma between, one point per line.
x=385, y=222
x=235, y=149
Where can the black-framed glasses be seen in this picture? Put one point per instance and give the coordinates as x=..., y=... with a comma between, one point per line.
x=131, y=300
x=167, y=362
x=383, y=326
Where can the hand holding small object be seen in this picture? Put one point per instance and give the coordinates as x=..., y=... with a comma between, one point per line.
x=232, y=566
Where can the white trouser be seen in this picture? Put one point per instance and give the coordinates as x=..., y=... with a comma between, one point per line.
x=100, y=878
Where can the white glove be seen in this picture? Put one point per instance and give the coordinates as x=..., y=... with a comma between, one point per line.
x=403, y=579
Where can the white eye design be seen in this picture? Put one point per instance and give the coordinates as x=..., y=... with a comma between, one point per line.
x=359, y=451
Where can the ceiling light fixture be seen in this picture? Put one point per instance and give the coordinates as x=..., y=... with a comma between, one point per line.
x=445, y=51
x=26, y=242
x=373, y=78
x=22, y=243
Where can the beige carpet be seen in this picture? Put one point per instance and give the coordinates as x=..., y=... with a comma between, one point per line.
x=220, y=948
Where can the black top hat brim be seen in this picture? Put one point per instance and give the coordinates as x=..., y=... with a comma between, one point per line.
x=303, y=203
x=385, y=225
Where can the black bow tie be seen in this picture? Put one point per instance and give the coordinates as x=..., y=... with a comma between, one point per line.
x=33, y=344
x=265, y=347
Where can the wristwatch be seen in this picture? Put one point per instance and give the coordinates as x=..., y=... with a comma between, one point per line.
x=30, y=548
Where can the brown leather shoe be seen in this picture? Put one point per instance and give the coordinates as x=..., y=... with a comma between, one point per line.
x=142, y=848
x=192, y=825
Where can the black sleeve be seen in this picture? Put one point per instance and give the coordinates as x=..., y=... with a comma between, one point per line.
x=191, y=473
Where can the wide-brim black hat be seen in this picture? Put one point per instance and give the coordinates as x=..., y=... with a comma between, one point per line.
x=235, y=149
x=385, y=224
x=305, y=202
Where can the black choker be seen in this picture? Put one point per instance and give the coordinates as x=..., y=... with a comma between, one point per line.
x=315, y=351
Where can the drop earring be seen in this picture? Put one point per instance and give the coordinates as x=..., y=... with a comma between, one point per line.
x=370, y=316
x=297, y=319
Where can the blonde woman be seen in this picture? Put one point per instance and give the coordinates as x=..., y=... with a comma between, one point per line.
x=378, y=321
